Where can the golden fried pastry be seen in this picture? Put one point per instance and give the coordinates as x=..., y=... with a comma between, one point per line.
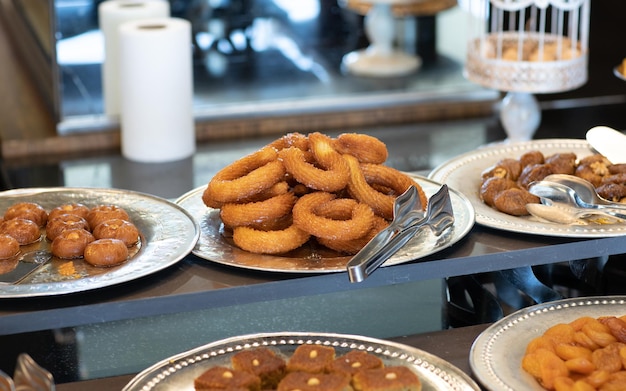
x=263, y=363
x=23, y=230
x=223, y=378
x=304, y=381
x=120, y=229
x=72, y=208
x=7, y=265
x=29, y=211
x=9, y=246
x=311, y=358
x=71, y=243
x=106, y=252
x=61, y=222
x=101, y=213
x=394, y=378
x=355, y=361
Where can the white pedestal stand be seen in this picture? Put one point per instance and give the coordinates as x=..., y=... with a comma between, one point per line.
x=380, y=59
x=520, y=115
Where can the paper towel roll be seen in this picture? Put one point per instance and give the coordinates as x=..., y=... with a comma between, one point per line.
x=156, y=77
x=111, y=14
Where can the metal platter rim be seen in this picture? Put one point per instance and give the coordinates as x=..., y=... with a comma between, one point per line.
x=151, y=377
x=183, y=244
x=463, y=173
x=512, y=333
x=191, y=200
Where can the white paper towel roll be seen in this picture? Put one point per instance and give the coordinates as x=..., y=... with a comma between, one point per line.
x=156, y=77
x=111, y=14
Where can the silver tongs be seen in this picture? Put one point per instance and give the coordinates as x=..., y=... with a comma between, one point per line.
x=408, y=220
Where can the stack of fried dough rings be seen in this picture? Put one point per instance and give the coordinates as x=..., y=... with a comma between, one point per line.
x=299, y=188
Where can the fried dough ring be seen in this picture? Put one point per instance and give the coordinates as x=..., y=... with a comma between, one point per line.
x=366, y=149
x=304, y=216
x=270, y=242
x=293, y=139
x=352, y=247
x=382, y=204
x=332, y=173
x=257, y=213
x=244, y=178
x=376, y=174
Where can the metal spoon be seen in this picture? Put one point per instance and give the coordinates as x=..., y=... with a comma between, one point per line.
x=560, y=194
x=587, y=197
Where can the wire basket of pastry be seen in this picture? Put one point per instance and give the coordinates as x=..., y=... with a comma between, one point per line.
x=535, y=46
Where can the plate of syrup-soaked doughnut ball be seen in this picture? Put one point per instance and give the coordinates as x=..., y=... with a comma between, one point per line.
x=466, y=173
x=155, y=233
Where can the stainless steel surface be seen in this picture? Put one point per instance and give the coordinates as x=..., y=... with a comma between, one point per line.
x=27, y=263
x=608, y=142
x=495, y=356
x=215, y=247
x=178, y=372
x=463, y=174
x=408, y=220
x=168, y=234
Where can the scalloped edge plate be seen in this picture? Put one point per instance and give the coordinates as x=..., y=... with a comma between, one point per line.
x=463, y=173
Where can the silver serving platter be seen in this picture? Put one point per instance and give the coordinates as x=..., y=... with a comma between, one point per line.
x=178, y=372
x=496, y=354
x=168, y=234
x=215, y=247
x=464, y=174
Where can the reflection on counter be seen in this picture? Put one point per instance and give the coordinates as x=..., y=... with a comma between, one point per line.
x=271, y=56
x=411, y=148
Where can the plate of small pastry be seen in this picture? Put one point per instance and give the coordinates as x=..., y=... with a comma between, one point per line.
x=87, y=252
x=300, y=360
x=468, y=173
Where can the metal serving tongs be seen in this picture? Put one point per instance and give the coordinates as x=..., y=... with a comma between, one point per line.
x=408, y=219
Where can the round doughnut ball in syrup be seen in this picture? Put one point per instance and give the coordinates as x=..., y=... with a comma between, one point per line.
x=29, y=211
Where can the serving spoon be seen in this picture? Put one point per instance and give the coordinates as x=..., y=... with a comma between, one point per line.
x=586, y=194
x=560, y=194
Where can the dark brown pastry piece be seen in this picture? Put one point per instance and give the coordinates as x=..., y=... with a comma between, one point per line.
x=493, y=186
x=311, y=358
x=533, y=173
x=531, y=157
x=562, y=163
x=263, y=363
x=355, y=361
x=71, y=208
x=61, y=222
x=71, y=243
x=396, y=378
x=223, y=378
x=106, y=252
x=9, y=247
x=304, y=381
x=23, y=230
x=513, y=201
x=593, y=168
x=120, y=229
x=101, y=213
x=29, y=211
